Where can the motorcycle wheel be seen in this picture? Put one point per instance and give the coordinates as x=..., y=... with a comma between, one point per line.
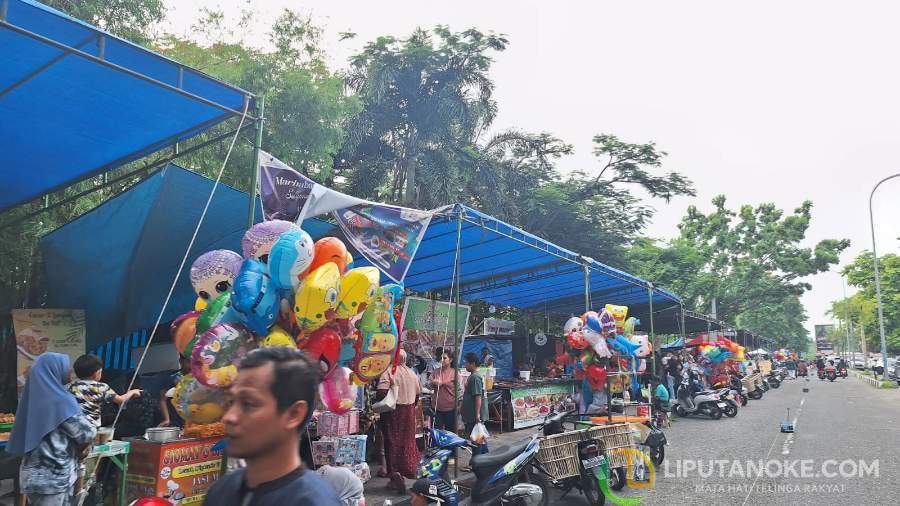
x=743, y=400
x=590, y=486
x=680, y=411
x=755, y=395
x=730, y=411
x=617, y=478
x=657, y=455
x=715, y=413
x=774, y=383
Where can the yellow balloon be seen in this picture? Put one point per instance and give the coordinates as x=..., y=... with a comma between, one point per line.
x=277, y=337
x=619, y=313
x=359, y=286
x=317, y=295
x=200, y=305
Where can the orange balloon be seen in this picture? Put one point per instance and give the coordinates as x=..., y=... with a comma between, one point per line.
x=183, y=330
x=330, y=249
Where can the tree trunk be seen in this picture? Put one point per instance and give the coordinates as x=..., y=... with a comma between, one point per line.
x=862, y=338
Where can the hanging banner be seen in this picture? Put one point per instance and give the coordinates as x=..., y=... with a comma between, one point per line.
x=498, y=327
x=427, y=324
x=289, y=195
x=387, y=236
x=42, y=330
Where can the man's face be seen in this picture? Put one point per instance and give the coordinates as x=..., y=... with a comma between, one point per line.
x=470, y=367
x=253, y=424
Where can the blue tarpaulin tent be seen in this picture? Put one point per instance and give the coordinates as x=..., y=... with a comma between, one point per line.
x=117, y=261
x=76, y=102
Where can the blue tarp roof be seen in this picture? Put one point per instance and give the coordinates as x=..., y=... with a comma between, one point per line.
x=505, y=265
x=118, y=260
x=72, y=103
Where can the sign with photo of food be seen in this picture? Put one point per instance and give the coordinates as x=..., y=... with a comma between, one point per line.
x=531, y=405
x=42, y=330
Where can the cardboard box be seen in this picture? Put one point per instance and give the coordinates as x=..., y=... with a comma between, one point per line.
x=179, y=471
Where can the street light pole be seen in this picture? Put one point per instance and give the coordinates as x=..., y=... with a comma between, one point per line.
x=877, y=275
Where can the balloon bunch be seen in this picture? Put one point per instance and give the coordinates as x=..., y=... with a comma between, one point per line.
x=606, y=340
x=286, y=290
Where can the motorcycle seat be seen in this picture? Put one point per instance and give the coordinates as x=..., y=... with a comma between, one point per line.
x=486, y=464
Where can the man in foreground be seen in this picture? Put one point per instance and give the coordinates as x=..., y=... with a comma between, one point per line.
x=268, y=406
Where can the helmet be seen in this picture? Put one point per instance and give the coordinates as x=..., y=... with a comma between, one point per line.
x=436, y=490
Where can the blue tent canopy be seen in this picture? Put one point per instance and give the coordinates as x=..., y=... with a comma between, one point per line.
x=505, y=265
x=76, y=101
x=118, y=260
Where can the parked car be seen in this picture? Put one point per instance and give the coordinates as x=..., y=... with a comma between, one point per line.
x=858, y=363
x=893, y=370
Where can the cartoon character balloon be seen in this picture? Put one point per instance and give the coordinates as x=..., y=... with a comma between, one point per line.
x=197, y=403
x=619, y=313
x=330, y=250
x=573, y=324
x=358, y=289
x=259, y=239
x=596, y=376
x=338, y=392
x=323, y=346
x=290, y=258
x=218, y=311
x=277, y=337
x=218, y=353
x=378, y=335
x=315, y=301
x=183, y=330
x=597, y=342
x=255, y=301
x=213, y=273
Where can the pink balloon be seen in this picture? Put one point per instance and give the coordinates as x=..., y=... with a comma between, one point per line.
x=338, y=392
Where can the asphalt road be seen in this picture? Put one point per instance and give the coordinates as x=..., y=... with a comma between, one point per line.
x=838, y=425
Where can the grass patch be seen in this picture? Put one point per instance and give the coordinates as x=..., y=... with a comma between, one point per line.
x=889, y=384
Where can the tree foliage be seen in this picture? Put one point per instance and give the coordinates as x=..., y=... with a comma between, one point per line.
x=861, y=308
x=130, y=19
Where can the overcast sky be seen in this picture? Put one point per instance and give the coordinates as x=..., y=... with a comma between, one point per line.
x=762, y=101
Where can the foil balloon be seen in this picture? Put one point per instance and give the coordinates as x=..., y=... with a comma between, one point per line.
x=324, y=347
x=218, y=311
x=592, y=321
x=573, y=324
x=597, y=342
x=197, y=403
x=218, y=353
x=644, y=342
x=379, y=339
x=596, y=377
x=577, y=341
x=338, y=392
x=259, y=239
x=358, y=289
x=254, y=300
x=349, y=263
x=277, y=336
x=183, y=330
x=213, y=273
x=607, y=323
x=290, y=258
x=200, y=304
x=630, y=324
x=624, y=346
x=619, y=313
x=330, y=250
x=563, y=360
x=317, y=298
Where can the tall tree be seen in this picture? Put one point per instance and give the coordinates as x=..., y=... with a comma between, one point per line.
x=862, y=307
x=130, y=19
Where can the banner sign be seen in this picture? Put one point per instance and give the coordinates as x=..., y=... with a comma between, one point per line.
x=42, y=330
x=495, y=326
x=387, y=236
x=531, y=406
x=283, y=190
x=428, y=324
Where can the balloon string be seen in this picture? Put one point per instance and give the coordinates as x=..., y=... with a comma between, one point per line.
x=184, y=258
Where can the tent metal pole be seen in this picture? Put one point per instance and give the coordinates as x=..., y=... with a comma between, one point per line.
x=254, y=173
x=683, y=334
x=652, y=334
x=50, y=42
x=456, y=347
x=587, y=287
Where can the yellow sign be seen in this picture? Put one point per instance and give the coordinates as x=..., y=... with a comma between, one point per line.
x=195, y=469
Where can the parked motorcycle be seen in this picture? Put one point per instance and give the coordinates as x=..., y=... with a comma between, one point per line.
x=703, y=403
x=774, y=379
x=594, y=464
x=728, y=396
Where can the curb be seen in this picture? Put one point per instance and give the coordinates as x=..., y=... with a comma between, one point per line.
x=874, y=383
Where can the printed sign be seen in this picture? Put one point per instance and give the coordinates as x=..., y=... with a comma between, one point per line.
x=531, y=405
x=180, y=471
x=496, y=326
x=387, y=236
x=428, y=324
x=42, y=330
x=283, y=190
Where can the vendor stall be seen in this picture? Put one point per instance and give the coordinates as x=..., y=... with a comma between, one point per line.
x=181, y=470
x=516, y=404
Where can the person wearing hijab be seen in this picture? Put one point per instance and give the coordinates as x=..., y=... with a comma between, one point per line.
x=399, y=426
x=50, y=433
x=347, y=486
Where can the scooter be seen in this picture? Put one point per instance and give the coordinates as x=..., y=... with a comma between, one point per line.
x=831, y=373
x=728, y=396
x=593, y=463
x=774, y=380
x=704, y=403
x=505, y=476
x=842, y=372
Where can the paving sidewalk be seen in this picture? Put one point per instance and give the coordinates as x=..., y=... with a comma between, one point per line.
x=377, y=491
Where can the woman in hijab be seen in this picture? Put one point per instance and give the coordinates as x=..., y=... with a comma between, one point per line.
x=399, y=425
x=347, y=486
x=50, y=433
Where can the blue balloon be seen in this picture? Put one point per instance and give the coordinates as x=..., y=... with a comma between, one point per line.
x=593, y=323
x=291, y=255
x=253, y=298
x=624, y=346
x=721, y=357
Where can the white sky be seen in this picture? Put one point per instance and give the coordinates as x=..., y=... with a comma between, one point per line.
x=763, y=101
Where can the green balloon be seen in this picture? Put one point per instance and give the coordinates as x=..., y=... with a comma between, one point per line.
x=212, y=315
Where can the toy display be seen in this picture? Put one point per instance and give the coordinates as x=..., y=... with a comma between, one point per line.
x=258, y=241
x=196, y=403
x=213, y=273
x=218, y=352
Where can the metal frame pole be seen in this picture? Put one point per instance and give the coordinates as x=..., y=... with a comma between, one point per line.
x=683, y=334
x=587, y=286
x=456, y=350
x=877, y=274
x=652, y=333
x=254, y=174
